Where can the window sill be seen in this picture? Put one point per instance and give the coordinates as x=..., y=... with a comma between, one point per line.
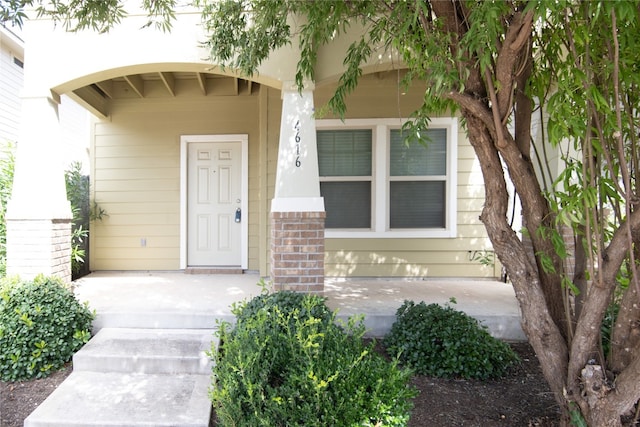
x=391, y=234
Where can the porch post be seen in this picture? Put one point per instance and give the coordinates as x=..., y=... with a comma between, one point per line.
x=297, y=210
x=39, y=214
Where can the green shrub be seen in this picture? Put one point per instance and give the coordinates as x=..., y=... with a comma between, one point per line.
x=41, y=325
x=286, y=363
x=7, y=165
x=78, y=193
x=77, y=186
x=443, y=342
x=308, y=306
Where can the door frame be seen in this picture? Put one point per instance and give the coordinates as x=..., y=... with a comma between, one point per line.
x=243, y=140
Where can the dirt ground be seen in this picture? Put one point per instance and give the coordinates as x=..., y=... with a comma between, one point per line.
x=522, y=399
x=19, y=399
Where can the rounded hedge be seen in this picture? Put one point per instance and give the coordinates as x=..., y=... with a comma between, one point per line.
x=287, y=363
x=442, y=342
x=41, y=325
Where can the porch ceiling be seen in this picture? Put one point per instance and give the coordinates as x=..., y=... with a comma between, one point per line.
x=98, y=95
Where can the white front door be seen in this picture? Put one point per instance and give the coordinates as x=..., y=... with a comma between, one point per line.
x=215, y=201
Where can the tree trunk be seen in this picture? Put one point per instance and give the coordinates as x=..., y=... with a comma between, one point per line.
x=538, y=292
x=625, y=334
x=538, y=219
x=604, y=400
x=625, y=342
x=596, y=388
x=541, y=330
x=486, y=104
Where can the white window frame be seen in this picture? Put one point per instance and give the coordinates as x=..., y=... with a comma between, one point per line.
x=381, y=177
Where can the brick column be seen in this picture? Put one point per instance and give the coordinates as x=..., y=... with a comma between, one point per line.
x=38, y=213
x=297, y=210
x=39, y=247
x=297, y=251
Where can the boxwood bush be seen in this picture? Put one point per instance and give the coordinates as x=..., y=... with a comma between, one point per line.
x=41, y=325
x=287, y=363
x=443, y=342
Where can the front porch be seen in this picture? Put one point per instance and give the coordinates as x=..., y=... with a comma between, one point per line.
x=164, y=299
x=149, y=366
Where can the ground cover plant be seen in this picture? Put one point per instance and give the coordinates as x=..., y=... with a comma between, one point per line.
x=287, y=363
x=442, y=342
x=41, y=325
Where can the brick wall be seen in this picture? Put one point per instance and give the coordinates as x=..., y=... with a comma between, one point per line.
x=297, y=251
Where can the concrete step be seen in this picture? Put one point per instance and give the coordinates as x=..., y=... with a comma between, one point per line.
x=114, y=399
x=153, y=351
x=158, y=319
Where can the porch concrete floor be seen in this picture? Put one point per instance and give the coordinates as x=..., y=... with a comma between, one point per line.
x=153, y=299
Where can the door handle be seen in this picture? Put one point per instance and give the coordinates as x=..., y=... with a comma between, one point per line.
x=238, y=215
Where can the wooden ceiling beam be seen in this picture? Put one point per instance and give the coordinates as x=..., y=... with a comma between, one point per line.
x=202, y=81
x=169, y=82
x=106, y=86
x=92, y=100
x=136, y=83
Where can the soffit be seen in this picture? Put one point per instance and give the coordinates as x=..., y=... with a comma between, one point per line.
x=98, y=96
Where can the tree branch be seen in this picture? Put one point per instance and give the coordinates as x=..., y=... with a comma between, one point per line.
x=524, y=32
x=626, y=179
x=516, y=38
x=524, y=104
x=500, y=141
x=476, y=107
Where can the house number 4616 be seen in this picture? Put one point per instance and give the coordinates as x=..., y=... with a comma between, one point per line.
x=297, y=139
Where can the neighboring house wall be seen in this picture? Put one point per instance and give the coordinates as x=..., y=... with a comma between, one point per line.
x=74, y=120
x=12, y=72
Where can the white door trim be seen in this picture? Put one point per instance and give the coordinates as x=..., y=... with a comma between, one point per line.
x=241, y=139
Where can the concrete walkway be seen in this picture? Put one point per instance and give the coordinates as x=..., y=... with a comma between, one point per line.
x=147, y=362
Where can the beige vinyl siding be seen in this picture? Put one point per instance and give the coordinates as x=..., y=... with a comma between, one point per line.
x=136, y=174
x=404, y=257
x=378, y=96
x=274, y=113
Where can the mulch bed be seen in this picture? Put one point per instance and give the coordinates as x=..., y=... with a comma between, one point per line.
x=521, y=399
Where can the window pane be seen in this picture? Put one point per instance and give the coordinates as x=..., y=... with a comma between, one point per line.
x=417, y=204
x=418, y=159
x=348, y=204
x=344, y=152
